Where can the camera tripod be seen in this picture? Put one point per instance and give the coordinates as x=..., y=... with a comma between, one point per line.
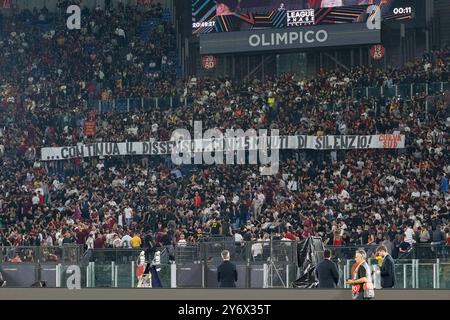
x=272, y=267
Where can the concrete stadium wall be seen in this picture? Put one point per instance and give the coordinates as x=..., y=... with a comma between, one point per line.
x=189, y=275
x=48, y=274
x=211, y=294
x=26, y=274
x=19, y=275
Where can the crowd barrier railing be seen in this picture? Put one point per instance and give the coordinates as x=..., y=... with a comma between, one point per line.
x=135, y=104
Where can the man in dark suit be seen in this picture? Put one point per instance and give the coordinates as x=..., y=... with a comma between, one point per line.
x=327, y=271
x=226, y=272
x=387, y=270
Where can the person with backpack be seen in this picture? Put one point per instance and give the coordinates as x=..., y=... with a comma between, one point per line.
x=361, y=282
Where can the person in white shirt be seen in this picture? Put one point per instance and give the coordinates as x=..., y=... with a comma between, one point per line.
x=343, y=227
x=128, y=215
x=117, y=242
x=120, y=32
x=112, y=203
x=110, y=239
x=126, y=241
x=182, y=242
x=257, y=250
x=56, y=184
x=415, y=194
x=49, y=241
x=100, y=166
x=90, y=242
x=425, y=194
x=221, y=199
x=238, y=238
x=258, y=202
x=40, y=189
x=377, y=216
x=292, y=185
x=60, y=239
x=409, y=235
x=235, y=199
x=120, y=220
x=343, y=195
x=35, y=200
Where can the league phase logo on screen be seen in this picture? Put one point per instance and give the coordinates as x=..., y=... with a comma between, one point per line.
x=297, y=18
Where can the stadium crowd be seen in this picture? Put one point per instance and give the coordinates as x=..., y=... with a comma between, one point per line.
x=357, y=197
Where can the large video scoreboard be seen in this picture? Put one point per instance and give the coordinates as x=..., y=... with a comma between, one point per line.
x=213, y=16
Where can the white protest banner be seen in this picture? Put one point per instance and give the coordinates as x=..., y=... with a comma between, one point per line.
x=340, y=142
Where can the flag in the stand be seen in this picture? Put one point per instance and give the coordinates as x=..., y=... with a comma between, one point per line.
x=89, y=128
x=156, y=282
x=140, y=270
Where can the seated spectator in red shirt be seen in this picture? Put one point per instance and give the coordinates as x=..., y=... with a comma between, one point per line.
x=337, y=240
x=289, y=235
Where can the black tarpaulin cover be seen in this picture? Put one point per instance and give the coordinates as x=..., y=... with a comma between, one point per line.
x=309, y=251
